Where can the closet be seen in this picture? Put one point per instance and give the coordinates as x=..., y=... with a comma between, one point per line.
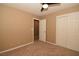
x=67, y=30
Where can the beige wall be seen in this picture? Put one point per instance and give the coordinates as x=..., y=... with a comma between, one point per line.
x=51, y=22
x=15, y=27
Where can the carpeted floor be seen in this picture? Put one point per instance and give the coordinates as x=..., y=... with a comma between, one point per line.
x=39, y=48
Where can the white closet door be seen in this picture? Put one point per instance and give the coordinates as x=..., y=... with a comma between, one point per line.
x=42, y=30
x=73, y=31
x=67, y=31
x=61, y=33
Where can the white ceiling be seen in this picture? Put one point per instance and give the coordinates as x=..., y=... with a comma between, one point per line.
x=35, y=8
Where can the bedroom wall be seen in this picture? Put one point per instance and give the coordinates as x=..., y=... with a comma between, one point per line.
x=15, y=27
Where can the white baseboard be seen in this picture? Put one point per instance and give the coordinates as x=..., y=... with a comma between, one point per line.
x=15, y=47
x=51, y=43
x=61, y=46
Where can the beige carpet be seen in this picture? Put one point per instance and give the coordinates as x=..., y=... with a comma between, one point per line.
x=41, y=49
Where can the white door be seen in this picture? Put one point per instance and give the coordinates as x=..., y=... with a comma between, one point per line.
x=42, y=30
x=67, y=31
x=61, y=33
x=73, y=31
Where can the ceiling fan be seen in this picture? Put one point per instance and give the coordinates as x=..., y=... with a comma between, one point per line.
x=46, y=5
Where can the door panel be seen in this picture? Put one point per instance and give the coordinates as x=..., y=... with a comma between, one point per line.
x=42, y=30
x=73, y=32
x=61, y=38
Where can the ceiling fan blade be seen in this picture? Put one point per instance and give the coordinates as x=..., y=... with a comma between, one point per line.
x=53, y=4
x=50, y=3
x=42, y=9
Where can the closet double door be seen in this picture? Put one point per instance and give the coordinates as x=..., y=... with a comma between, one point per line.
x=67, y=30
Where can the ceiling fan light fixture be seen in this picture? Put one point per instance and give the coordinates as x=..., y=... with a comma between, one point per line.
x=45, y=6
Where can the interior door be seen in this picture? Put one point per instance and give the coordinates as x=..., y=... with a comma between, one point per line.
x=73, y=31
x=61, y=31
x=42, y=30
x=67, y=31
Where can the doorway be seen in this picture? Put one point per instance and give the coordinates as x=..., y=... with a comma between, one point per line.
x=36, y=30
